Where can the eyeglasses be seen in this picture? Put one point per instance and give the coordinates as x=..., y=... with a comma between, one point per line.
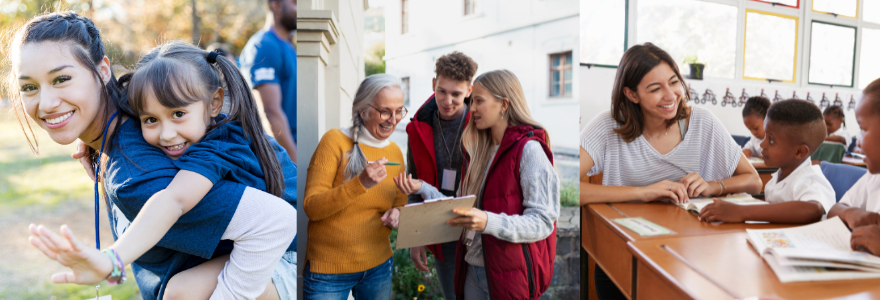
x=385, y=114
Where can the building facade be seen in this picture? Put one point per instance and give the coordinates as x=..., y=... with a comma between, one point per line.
x=535, y=39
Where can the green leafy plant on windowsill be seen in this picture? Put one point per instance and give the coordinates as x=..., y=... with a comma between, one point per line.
x=696, y=67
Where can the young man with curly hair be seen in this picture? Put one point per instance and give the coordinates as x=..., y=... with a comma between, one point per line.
x=435, y=154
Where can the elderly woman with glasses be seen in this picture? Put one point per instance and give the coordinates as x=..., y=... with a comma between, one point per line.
x=351, y=199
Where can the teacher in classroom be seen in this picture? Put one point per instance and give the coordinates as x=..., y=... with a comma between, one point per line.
x=351, y=200
x=652, y=146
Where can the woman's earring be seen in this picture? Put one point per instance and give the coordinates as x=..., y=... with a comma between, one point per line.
x=502, y=114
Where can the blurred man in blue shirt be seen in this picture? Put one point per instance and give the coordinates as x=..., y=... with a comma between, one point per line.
x=268, y=61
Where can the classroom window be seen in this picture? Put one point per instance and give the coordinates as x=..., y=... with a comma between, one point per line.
x=404, y=16
x=791, y=3
x=770, y=50
x=688, y=27
x=846, y=8
x=832, y=54
x=603, y=47
x=469, y=6
x=404, y=87
x=868, y=62
x=560, y=74
x=871, y=11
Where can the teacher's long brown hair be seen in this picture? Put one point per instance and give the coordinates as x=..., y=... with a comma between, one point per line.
x=635, y=64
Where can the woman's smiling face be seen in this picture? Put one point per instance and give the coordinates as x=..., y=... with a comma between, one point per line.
x=659, y=93
x=389, y=101
x=60, y=95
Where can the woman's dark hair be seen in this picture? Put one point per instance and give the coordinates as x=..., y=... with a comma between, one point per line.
x=835, y=111
x=635, y=64
x=756, y=106
x=179, y=74
x=84, y=41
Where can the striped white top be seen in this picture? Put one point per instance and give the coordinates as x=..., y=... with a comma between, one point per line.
x=707, y=149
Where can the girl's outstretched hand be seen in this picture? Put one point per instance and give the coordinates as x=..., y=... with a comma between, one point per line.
x=407, y=184
x=88, y=266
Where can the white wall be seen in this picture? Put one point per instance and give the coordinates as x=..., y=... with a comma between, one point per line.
x=517, y=35
x=597, y=83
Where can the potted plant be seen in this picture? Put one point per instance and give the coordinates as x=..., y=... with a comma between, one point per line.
x=697, y=68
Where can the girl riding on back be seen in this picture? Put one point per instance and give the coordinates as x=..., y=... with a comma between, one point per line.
x=178, y=91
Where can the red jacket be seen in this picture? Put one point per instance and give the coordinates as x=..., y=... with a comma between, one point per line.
x=420, y=131
x=514, y=271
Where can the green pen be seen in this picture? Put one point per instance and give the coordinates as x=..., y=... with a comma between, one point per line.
x=387, y=164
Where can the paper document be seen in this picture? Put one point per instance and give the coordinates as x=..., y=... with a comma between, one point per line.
x=425, y=223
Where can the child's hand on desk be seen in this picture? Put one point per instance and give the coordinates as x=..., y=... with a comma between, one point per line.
x=722, y=211
x=696, y=186
x=866, y=238
x=407, y=184
x=662, y=190
x=87, y=264
x=855, y=217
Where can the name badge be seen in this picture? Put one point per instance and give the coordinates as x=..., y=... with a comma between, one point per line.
x=448, y=180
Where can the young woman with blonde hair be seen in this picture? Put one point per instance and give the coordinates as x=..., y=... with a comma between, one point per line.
x=508, y=247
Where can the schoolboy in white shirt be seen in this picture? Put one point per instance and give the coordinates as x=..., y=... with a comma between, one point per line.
x=798, y=193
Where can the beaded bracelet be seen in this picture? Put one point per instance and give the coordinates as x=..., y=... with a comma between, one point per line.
x=118, y=274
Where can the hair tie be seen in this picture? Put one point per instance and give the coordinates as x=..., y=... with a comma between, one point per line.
x=212, y=57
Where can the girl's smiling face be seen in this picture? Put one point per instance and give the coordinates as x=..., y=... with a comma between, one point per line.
x=58, y=93
x=175, y=129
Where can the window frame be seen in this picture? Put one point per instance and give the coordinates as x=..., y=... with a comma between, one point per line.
x=805, y=15
x=470, y=4
x=797, y=39
x=405, y=86
x=561, y=69
x=404, y=17
x=855, y=50
x=856, y=17
x=626, y=25
x=798, y=6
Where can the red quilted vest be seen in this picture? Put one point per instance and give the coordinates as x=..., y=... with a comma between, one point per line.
x=514, y=271
x=421, y=143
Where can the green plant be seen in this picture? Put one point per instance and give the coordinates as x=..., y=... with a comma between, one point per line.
x=569, y=194
x=407, y=281
x=691, y=59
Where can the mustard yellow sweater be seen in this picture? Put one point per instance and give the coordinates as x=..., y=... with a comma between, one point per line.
x=345, y=232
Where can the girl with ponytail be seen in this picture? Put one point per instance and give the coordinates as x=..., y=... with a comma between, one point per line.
x=176, y=97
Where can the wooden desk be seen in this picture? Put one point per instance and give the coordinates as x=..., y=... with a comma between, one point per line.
x=731, y=265
x=605, y=241
x=849, y=160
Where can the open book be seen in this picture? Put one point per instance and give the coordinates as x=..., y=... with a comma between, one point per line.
x=819, y=251
x=695, y=205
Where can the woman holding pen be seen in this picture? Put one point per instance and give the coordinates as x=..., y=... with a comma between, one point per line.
x=351, y=201
x=508, y=247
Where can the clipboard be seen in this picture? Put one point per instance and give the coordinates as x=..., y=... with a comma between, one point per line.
x=425, y=223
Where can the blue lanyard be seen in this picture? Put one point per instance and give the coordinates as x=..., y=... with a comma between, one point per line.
x=97, y=175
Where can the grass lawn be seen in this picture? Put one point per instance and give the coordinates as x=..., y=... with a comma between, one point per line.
x=51, y=189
